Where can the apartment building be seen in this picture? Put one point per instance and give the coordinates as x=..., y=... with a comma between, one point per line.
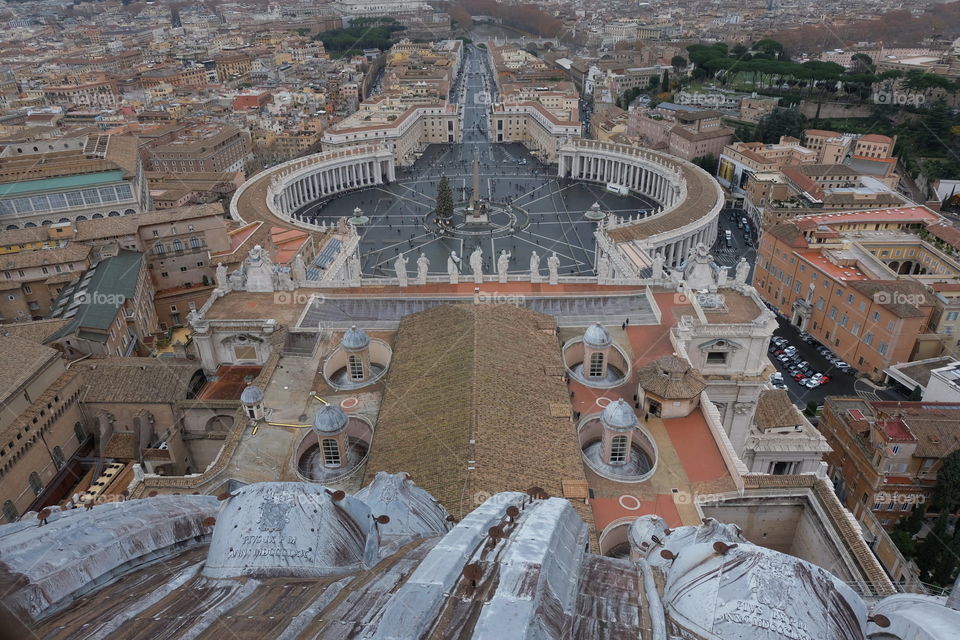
x=833, y=148
x=738, y=161
x=885, y=455
x=109, y=311
x=855, y=281
x=41, y=428
x=32, y=279
x=686, y=132
x=204, y=148
x=407, y=130
x=539, y=129
x=234, y=65
x=177, y=244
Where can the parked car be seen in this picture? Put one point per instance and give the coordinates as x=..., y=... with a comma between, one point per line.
x=779, y=341
x=777, y=377
x=810, y=383
x=790, y=351
x=798, y=377
x=780, y=385
x=840, y=364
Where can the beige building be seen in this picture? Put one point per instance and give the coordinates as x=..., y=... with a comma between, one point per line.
x=405, y=130
x=208, y=148
x=41, y=427
x=109, y=311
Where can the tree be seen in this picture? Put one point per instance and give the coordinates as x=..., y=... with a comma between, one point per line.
x=665, y=82
x=444, y=199
x=931, y=550
x=708, y=163
x=679, y=63
x=946, y=495
x=780, y=122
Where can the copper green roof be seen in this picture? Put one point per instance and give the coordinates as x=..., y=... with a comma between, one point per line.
x=59, y=183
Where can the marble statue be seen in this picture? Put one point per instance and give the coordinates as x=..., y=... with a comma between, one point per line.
x=553, y=267
x=299, y=269
x=503, y=264
x=283, y=280
x=222, y=283
x=534, y=268
x=260, y=271
x=353, y=268
x=476, y=265
x=699, y=271
x=400, y=266
x=723, y=274
x=342, y=226
x=237, y=280
x=603, y=268
x=453, y=267
x=657, y=267
x=743, y=271
x=423, y=264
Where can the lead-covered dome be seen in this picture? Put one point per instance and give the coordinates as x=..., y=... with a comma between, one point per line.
x=329, y=419
x=251, y=395
x=295, y=529
x=597, y=335
x=619, y=415
x=355, y=339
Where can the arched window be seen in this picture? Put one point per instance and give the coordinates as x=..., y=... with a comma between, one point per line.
x=618, y=449
x=356, y=368
x=10, y=511
x=596, y=365
x=331, y=453
x=35, y=484
x=177, y=245
x=194, y=242
x=159, y=249
x=79, y=432
x=58, y=458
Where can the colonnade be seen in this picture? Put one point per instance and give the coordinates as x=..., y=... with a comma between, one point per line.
x=328, y=180
x=633, y=175
x=659, y=177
